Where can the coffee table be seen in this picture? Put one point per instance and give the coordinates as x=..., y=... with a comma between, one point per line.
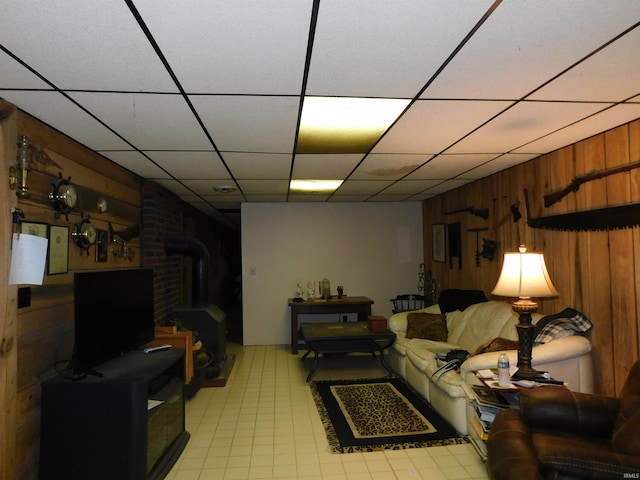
x=346, y=337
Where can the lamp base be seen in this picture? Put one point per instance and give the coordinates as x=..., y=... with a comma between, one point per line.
x=527, y=373
x=524, y=307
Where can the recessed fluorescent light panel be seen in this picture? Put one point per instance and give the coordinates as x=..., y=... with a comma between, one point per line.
x=314, y=186
x=345, y=125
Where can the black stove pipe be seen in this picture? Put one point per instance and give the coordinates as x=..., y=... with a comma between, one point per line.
x=200, y=266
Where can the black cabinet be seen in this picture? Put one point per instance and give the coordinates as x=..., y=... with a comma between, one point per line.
x=127, y=424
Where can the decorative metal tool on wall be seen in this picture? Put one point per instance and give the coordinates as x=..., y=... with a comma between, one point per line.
x=488, y=246
x=478, y=212
x=553, y=197
x=607, y=218
x=514, y=212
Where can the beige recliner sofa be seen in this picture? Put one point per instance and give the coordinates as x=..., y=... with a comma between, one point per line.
x=567, y=358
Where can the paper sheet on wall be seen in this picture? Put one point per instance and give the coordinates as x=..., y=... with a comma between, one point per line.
x=28, y=259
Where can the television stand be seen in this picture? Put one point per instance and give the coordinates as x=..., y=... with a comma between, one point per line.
x=128, y=423
x=81, y=376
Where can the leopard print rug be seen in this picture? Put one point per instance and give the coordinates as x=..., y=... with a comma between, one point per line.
x=378, y=414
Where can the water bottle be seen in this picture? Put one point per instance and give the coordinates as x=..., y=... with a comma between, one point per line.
x=504, y=377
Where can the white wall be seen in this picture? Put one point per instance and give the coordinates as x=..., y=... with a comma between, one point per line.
x=372, y=249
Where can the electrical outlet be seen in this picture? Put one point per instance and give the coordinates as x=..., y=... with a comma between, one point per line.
x=252, y=270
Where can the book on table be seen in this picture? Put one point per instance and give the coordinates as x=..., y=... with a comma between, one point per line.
x=489, y=397
x=487, y=403
x=478, y=444
x=480, y=428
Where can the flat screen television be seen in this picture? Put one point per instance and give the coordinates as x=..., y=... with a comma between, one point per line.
x=114, y=314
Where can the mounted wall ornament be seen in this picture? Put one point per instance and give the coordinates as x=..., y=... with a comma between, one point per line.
x=19, y=173
x=84, y=235
x=478, y=212
x=63, y=196
x=488, y=246
x=553, y=197
x=120, y=238
x=599, y=219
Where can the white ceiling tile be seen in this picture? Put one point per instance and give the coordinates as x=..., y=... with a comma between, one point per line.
x=204, y=187
x=522, y=124
x=137, y=163
x=242, y=65
x=15, y=75
x=387, y=166
x=88, y=44
x=355, y=187
x=500, y=163
x=177, y=188
x=262, y=187
x=181, y=164
x=432, y=126
x=449, y=165
x=247, y=165
x=57, y=111
x=249, y=124
x=224, y=198
x=600, y=122
x=148, y=122
x=447, y=185
x=311, y=198
x=524, y=44
x=243, y=46
x=421, y=197
x=362, y=48
x=266, y=198
x=388, y=198
x=324, y=166
x=337, y=197
x=606, y=76
x=409, y=187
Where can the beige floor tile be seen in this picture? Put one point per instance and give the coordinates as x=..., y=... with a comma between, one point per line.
x=264, y=424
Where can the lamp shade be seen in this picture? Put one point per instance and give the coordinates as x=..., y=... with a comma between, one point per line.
x=524, y=275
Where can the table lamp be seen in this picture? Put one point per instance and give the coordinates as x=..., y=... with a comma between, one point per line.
x=524, y=275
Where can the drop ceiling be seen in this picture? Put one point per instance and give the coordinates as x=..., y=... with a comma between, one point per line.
x=208, y=93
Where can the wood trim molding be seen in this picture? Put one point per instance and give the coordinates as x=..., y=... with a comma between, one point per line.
x=8, y=298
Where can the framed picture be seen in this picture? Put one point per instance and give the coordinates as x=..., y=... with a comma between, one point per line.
x=438, y=242
x=34, y=228
x=58, y=249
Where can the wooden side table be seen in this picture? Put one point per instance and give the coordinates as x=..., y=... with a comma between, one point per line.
x=359, y=305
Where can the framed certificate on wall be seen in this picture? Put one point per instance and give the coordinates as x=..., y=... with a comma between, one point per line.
x=58, y=249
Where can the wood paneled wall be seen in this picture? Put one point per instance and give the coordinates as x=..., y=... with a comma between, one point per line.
x=595, y=272
x=37, y=339
x=43, y=331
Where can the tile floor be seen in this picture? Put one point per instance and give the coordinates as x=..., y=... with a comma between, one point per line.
x=264, y=425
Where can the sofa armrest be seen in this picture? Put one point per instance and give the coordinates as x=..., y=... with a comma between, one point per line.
x=561, y=409
x=561, y=349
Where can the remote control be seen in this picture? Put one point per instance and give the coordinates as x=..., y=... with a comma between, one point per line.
x=156, y=349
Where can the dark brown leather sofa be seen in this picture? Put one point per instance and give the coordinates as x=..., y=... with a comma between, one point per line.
x=560, y=434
